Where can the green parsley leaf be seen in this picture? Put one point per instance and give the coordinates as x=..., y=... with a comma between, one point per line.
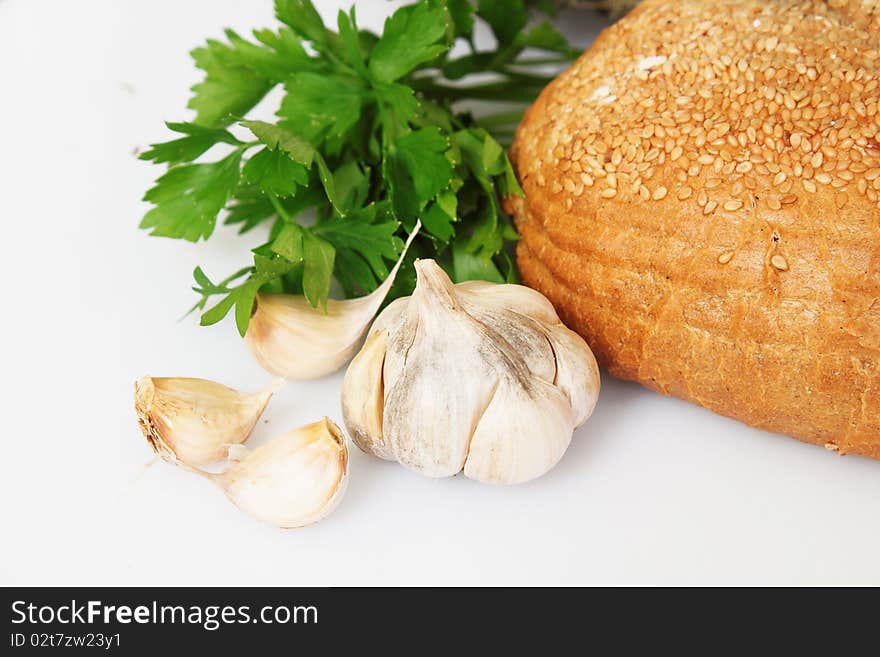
x=546, y=37
x=274, y=58
x=462, y=14
x=303, y=18
x=399, y=108
x=318, y=256
x=351, y=40
x=250, y=208
x=373, y=241
x=230, y=87
x=351, y=184
x=471, y=267
x=207, y=289
x=353, y=273
x=410, y=38
x=506, y=18
x=289, y=243
x=318, y=106
x=276, y=137
x=418, y=170
x=244, y=304
x=220, y=310
x=289, y=55
x=329, y=183
x=440, y=215
x=275, y=172
x=186, y=149
x=189, y=197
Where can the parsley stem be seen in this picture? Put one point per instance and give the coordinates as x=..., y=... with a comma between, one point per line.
x=500, y=119
x=496, y=91
x=241, y=272
x=541, y=80
x=278, y=207
x=540, y=61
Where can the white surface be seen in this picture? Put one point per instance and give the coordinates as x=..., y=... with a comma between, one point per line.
x=652, y=490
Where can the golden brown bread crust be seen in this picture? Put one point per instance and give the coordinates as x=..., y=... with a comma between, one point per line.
x=702, y=192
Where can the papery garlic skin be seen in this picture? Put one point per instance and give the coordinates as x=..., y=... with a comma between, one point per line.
x=194, y=421
x=363, y=411
x=475, y=377
x=290, y=338
x=293, y=480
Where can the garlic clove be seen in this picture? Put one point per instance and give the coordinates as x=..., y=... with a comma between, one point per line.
x=428, y=430
x=434, y=400
x=521, y=299
x=522, y=434
x=577, y=373
x=290, y=338
x=391, y=315
x=194, y=421
x=293, y=480
x=522, y=334
x=363, y=397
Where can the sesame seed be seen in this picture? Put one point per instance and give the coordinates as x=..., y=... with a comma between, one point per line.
x=725, y=257
x=779, y=262
x=762, y=109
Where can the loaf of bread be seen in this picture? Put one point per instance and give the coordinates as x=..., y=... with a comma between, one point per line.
x=702, y=192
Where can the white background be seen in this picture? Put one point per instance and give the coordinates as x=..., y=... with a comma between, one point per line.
x=652, y=490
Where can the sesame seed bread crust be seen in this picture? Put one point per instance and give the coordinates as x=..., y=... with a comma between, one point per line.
x=702, y=192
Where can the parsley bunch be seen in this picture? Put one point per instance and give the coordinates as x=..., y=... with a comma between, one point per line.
x=370, y=135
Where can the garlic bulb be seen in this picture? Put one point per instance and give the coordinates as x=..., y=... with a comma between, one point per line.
x=194, y=421
x=290, y=338
x=478, y=377
x=293, y=480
